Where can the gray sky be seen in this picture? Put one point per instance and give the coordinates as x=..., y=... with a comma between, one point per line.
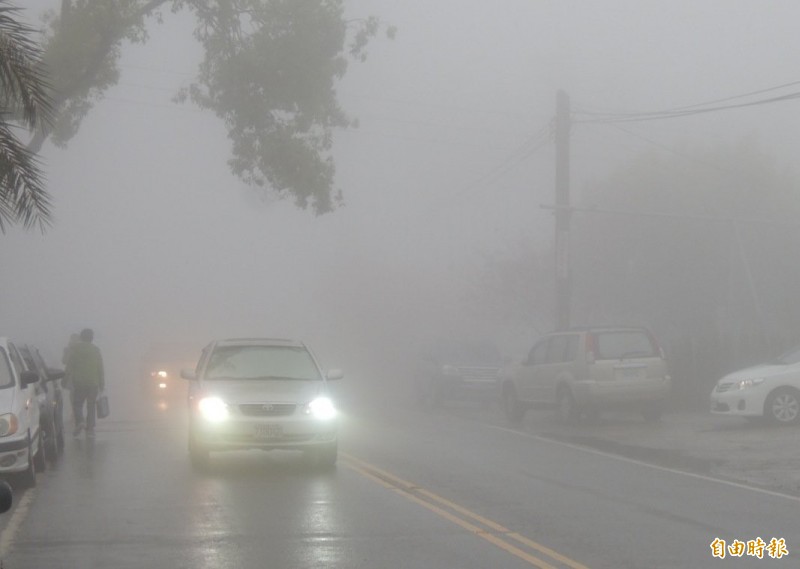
x=154, y=238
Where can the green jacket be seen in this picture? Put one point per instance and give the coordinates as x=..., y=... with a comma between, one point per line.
x=85, y=365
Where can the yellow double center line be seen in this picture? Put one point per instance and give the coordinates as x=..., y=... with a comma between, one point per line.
x=476, y=524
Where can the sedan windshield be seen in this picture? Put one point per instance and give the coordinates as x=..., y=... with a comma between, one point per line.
x=6, y=378
x=788, y=358
x=261, y=362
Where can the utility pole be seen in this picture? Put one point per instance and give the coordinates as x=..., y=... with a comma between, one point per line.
x=563, y=213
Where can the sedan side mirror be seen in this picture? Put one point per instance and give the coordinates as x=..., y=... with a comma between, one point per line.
x=334, y=374
x=54, y=374
x=188, y=374
x=28, y=377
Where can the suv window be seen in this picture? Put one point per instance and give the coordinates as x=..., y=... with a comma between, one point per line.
x=624, y=344
x=6, y=377
x=572, y=348
x=261, y=362
x=556, y=349
x=538, y=353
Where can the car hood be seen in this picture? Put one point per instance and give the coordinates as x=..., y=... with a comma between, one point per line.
x=257, y=391
x=760, y=371
x=7, y=400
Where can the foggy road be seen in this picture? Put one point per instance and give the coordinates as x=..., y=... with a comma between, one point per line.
x=411, y=489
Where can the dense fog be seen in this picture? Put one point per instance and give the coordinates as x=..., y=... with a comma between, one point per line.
x=441, y=231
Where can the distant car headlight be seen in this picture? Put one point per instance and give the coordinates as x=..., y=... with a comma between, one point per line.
x=748, y=383
x=322, y=408
x=213, y=409
x=8, y=424
x=162, y=374
x=450, y=370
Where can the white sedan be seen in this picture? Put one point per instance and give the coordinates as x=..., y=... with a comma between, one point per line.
x=770, y=390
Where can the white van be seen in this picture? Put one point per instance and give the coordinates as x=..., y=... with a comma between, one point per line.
x=21, y=448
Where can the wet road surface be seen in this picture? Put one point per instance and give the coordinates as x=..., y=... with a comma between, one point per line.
x=412, y=489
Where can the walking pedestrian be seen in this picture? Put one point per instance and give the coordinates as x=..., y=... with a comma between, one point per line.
x=85, y=369
x=66, y=383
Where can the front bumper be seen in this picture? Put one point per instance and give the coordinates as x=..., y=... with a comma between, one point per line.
x=244, y=433
x=14, y=455
x=738, y=402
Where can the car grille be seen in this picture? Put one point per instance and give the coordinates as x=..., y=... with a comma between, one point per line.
x=285, y=438
x=723, y=387
x=267, y=409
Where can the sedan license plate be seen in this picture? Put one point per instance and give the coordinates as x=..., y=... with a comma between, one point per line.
x=268, y=431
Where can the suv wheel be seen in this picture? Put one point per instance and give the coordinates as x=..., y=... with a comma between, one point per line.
x=783, y=406
x=512, y=407
x=566, y=407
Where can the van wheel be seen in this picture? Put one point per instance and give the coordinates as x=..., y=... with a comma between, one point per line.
x=50, y=442
x=39, y=462
x=566, y=407
x=783, y=406
x=513, y=408
x=28, y=477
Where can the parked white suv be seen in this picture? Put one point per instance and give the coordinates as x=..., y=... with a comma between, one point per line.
x=257, y=393
x=21, y=448
x=583, y=371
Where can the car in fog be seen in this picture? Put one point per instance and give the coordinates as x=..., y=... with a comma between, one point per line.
x=51, y=400
x=770, y=390
x=21, y=437
x=258, y=393
x=457, y=370
x=160, y=369
x=581, y=372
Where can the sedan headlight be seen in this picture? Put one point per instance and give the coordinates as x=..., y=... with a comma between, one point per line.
x=321, y=408
x=213, y=409
x=8, y=424
x=748, y=383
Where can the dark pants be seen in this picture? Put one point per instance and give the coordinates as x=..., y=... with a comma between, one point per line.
x=84, y=394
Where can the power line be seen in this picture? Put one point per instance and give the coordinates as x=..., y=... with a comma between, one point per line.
x=690, y=109
x=528, y=148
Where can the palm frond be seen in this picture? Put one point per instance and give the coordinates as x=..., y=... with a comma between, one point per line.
x=23, y=81
x=22, y=191
x=24, y=105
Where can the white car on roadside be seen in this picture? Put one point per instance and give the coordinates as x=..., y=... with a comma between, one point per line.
x=21, y=438
x=770, y=390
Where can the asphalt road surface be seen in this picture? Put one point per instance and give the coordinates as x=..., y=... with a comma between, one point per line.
x=411, y=490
